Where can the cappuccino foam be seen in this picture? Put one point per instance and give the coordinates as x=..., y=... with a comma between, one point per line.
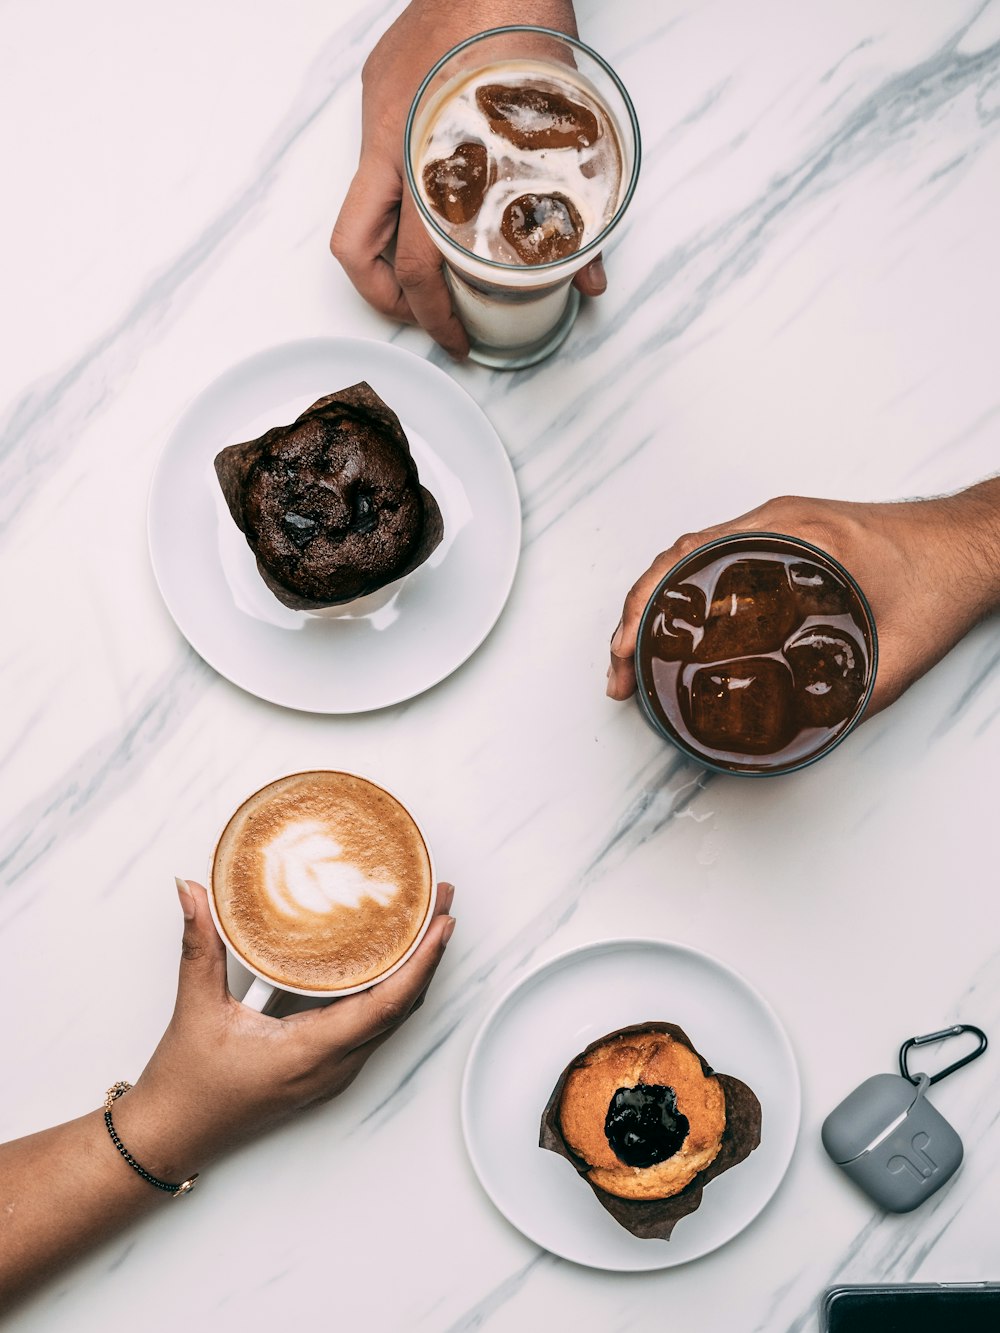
x=322, y=881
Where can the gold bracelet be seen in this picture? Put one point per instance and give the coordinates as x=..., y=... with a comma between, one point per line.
x=114, y=1092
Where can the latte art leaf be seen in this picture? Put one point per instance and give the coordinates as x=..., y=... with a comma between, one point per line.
x=304, y=871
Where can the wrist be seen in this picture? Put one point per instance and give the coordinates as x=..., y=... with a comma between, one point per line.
x=968, y=542
x=158, y=1134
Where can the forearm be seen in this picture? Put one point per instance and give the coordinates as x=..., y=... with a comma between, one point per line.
x=931, y=569
x=949, y=573
x=972, y=519
x=221, y=1074
x=62, y=1192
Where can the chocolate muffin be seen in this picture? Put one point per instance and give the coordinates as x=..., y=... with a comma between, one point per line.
x=647, y=1123
x=332, y=505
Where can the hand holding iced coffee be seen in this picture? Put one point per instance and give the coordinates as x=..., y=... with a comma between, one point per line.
x=521, y=155
x=930, y=570
x=378, y=213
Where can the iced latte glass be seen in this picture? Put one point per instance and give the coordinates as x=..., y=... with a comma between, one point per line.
x=522, y=155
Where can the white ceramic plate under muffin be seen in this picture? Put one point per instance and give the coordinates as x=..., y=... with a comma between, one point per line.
x=373, y=655
x=538, y=1027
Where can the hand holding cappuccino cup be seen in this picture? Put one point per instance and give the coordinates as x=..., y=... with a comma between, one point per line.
x=321, y=885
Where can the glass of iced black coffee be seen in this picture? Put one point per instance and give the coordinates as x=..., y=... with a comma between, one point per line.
x=756, y=654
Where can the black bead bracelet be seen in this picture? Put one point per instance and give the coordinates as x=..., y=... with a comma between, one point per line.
x=176, y=1191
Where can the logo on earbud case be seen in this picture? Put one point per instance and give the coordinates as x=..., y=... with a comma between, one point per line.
x=923, y=1168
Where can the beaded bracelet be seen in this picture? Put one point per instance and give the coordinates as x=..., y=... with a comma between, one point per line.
x=176, y=1191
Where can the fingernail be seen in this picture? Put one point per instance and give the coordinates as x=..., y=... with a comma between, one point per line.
x=598, y=276
x=616, y=638
x=449, y=930
x=186, y=897
x=449, y=896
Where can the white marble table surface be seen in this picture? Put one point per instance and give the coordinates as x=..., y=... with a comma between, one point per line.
x=804, y=299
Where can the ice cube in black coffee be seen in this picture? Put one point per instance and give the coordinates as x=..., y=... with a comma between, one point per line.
x=742, y=707
x=536, y=117
x=829, y=669
x=542, y=227
x=817, y=591
x=456, y=185
x=678, y=614
x=753, y=610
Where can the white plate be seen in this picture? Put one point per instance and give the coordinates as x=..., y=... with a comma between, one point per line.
x=547, y=1019
x=438, y=616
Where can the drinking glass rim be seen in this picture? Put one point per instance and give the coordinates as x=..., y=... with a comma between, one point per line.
x=689, y=750
x=612, y=222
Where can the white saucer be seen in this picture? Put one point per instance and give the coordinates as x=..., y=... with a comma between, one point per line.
x=378, y=654
x=547, y=1019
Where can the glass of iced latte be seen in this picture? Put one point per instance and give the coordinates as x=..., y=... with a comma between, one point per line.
x=522, y=154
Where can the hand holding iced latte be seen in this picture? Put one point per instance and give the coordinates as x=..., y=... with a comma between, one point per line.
x=522, y=153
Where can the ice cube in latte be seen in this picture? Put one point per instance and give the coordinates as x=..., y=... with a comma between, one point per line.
x=537, y=117
x=456, y=185
x=542, y=227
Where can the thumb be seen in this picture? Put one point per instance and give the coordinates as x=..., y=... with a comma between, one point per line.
x=621, y=672
x=592, y=279
x=203, y=955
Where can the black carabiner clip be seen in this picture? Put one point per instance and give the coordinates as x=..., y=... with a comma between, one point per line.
x=943, y=1035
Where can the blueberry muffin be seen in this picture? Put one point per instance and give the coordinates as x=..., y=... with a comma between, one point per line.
x=648, y=1123
x=641, y=1112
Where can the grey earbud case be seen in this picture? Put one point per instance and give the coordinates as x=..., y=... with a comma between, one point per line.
x=892, y=1142
x=888, y=1137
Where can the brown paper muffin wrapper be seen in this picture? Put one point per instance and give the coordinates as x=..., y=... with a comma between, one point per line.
x=234, y=464
x=655, y=1219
